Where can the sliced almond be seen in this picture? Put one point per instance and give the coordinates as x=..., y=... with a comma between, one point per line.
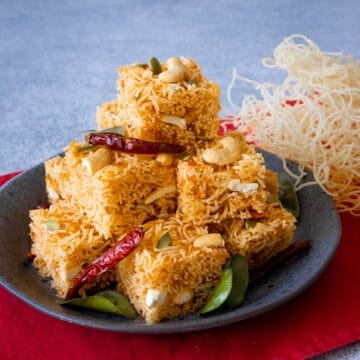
x=159, y=193
x=174, y=120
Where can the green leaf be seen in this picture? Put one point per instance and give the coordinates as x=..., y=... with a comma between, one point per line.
x=184, y=156
x=108, y=301
x=221, y=292
x=118, y=130
x=287, y=195
x=271, y=199
x=164, y=241
x=121, y=302
x=240, y=268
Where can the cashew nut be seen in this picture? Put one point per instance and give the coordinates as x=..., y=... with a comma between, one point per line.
x=210, y=240
x=164, y=159
x=175, y=71
x=155, y=297
x=70, y=274
x=231, y=151
x=183, y=297
x=238, y=186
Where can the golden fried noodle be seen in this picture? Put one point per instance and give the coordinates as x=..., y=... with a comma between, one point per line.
x=312, y=117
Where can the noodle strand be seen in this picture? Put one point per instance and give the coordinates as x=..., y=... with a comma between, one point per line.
x=312, y=117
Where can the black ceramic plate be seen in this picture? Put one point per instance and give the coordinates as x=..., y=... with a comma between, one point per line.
x=318, y=222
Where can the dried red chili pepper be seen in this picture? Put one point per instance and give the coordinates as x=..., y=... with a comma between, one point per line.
x=42, y=205
x=106, y=261
x=133, y=145
x=256, y=215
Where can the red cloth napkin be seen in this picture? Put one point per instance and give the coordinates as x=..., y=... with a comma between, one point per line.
x=324, y=317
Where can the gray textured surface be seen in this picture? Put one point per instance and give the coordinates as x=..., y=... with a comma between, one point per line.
x=58, y=60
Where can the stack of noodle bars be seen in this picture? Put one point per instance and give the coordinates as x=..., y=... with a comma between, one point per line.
x=148, y=107
x=209, y=209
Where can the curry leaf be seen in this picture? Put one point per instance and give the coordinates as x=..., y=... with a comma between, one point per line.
x=240, y=281
x=108, y=301
x=287, y=195
x=221, y=292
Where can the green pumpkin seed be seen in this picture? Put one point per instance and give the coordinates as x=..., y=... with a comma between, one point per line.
x=155, y=66
x=137, y=94
x=164, y=241
x=239, y=266
x=108, y=301
x=192, y=82
x=251, y=223
x=202, y=137
x=51, y=225
x=221, y=292
x=86, y=149
x=140, y=207
x=287, y=195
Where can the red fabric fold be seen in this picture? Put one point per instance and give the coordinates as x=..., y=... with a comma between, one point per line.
x=326, y=316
